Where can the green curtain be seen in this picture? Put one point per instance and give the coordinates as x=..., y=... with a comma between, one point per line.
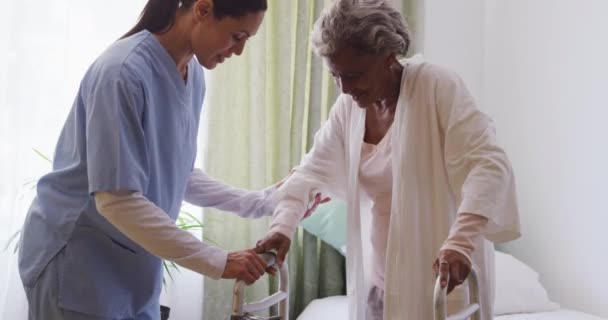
x=414, y=12
x=261, y=112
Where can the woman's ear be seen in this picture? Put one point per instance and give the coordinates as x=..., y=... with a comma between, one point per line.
x=203, y=9
x=391, y=59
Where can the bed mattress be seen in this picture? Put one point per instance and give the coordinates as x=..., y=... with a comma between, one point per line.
x=562, y=314
x=337, y=308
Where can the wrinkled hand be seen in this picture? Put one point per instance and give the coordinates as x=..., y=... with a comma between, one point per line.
x=454, y=264
x=274, y=241
x=244, y=265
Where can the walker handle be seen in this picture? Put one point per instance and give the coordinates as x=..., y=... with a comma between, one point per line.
x=240, y=309
x=472, y=311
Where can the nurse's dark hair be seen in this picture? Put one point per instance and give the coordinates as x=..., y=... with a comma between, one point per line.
x=158, y=16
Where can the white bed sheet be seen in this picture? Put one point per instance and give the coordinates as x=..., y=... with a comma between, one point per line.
x=336, y=308
x=562, y=314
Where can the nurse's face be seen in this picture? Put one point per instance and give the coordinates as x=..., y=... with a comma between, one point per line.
x=215, y=40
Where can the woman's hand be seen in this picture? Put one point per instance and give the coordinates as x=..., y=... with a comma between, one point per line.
x=454, y=264
x=274, y=241
x=244, y=265
x=318, y=200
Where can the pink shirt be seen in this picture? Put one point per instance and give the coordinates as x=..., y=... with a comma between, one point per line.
x=376, y=181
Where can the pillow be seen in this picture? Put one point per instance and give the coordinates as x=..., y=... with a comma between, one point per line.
x=335, y=308
x=518, y=289
x=328, y=223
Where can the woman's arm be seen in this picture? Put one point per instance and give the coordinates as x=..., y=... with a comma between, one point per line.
x=322, y=170
x=465, y=234
x=479, y=173
x=205, y=191
x=478, y=169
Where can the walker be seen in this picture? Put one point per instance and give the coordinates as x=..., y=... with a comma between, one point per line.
x=472, y=311
x=244, y=311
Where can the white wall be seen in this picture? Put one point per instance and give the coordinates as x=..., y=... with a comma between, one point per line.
x=453, y=37
x=546, y=77
x=540, y=68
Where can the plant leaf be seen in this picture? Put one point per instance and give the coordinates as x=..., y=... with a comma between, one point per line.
x=42, y=155
x=191, y=216
x=189, y=227
x=31, y=181
x=211, y=241
x=11, y=239
x=167, y=270
x=175, y=267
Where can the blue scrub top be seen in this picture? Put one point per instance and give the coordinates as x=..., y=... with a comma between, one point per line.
x=133, y=126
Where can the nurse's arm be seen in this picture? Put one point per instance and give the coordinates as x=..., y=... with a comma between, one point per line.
x=151, y=228
x=205, y=191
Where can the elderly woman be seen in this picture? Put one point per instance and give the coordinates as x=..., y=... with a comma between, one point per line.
x=408, y=139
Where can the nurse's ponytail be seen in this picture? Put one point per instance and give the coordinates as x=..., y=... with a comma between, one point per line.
x=158, y=16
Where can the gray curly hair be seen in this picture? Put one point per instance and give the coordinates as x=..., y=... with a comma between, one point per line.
x=369, y=26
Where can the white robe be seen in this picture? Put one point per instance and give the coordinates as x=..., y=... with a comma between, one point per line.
x=445, y=162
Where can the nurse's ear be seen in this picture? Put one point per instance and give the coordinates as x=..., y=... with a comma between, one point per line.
x=203, y=9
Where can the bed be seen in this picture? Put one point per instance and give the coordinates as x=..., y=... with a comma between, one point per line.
x=336, y=308
x=561, y=314
x=519, y=296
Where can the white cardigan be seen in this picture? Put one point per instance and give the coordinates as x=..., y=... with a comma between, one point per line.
x=445, y=162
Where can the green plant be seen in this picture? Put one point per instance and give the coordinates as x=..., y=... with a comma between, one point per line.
x=32, y=184
x=186, y=221
x=10, y=240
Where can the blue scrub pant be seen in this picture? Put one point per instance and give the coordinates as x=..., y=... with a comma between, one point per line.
x=43, y=299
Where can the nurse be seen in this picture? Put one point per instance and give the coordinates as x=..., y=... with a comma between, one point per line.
x=104, y=217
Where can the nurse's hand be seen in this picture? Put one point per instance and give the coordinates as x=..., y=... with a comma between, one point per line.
x=274, y=241
x=244, y=265
x=454, y=264
x=319, y=198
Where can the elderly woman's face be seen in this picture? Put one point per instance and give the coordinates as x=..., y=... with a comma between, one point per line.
x=363, y=76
